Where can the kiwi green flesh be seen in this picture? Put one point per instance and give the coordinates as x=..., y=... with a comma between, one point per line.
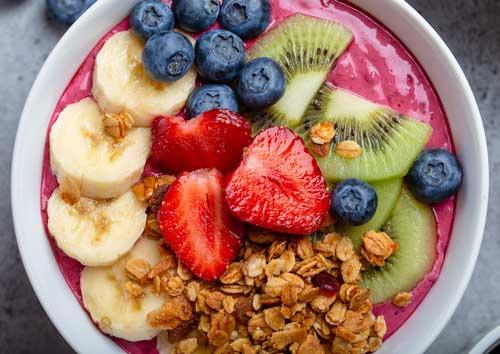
x=412, y=225
x=390, y=141
x=306, y=49
x=388, y=193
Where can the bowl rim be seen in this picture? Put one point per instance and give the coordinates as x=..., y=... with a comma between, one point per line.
x=488, y=342
x=57, y=299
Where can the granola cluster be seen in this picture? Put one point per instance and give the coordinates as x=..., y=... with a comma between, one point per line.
x=282, y=294
x=348, y=149
x=70, y=190
x=321, y=137
x=377, y=247
x=117, y=125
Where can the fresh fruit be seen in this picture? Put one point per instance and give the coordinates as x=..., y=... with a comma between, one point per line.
x=168, y=56
x=388, y=193
x=197, y=224
x=435, y=176
x=68, y=11
x=96, y=233
x=209, y=96
x=220, y=55
x=111, y=306
x=354, y=201
x=278, y=185
x=102, y=166
x=389, y=141
x=306, y=48
x=149, y=17
x=261, y=83
x=120, y=83
x=196, y=15
x=413, y=227
x=246, y=18
x=215, y=139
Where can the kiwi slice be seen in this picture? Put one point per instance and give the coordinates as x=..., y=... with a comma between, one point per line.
x=306, y=48
x=413, y=226
x=390, y=141
x=388, y=193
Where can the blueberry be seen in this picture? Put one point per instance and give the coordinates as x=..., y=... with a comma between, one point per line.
x=261, y=83
x=196, y=15
x=246, y=18
x=68, y=11
x=354, y=201
x=435, y=176
x=149, y=17
x=220, y=55
x=167, y=56
x=208, y=97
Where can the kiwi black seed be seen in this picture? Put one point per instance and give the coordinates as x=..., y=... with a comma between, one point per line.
x=307, y=49
x=389, y=141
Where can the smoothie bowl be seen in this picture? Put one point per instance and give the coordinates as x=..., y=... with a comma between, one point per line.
x=323, y=217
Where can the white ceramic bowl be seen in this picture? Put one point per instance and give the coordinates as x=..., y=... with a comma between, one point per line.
x=432, y=53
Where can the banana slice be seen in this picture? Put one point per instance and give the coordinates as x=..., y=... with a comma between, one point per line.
x=110, y=305
x=96, y=233
x=120, y=83
x=102, y=166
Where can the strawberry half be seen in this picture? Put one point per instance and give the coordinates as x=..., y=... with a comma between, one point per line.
x=197, y=224
x=278, y=185
x=214, y=139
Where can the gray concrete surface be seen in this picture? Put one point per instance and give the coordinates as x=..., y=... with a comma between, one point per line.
x=471, y=29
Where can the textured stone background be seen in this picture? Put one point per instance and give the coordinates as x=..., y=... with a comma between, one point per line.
x=470, y=27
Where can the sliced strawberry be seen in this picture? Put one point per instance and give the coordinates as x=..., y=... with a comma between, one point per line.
x=214, y=139
x=278, y=185
x=197, y=224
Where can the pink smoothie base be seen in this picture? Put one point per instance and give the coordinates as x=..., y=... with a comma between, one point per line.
x=376, y=66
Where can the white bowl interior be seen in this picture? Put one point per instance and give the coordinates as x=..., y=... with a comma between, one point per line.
x=464, y=118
